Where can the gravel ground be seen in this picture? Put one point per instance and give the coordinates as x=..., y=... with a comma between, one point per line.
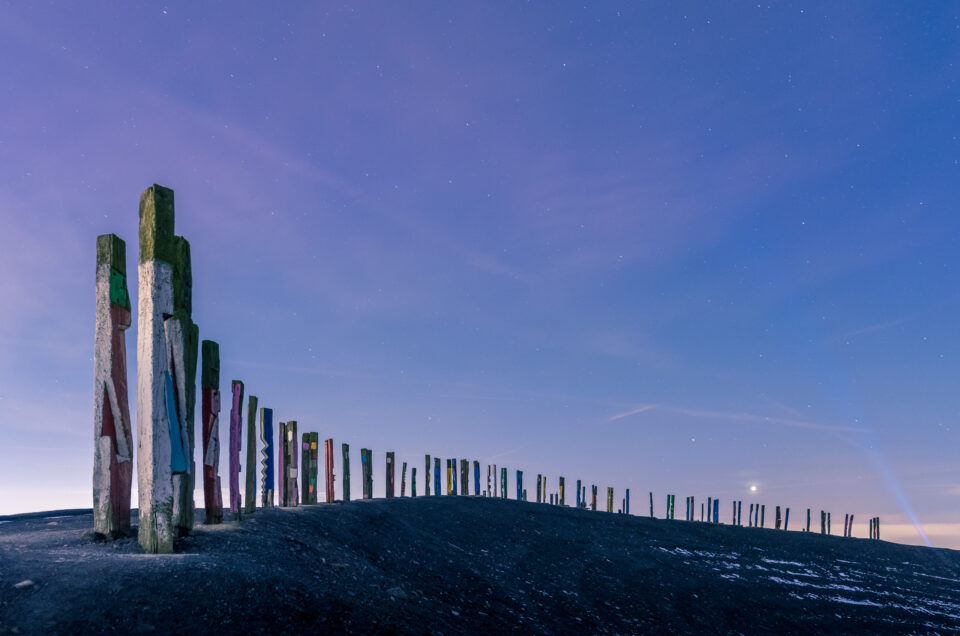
x=447, y=565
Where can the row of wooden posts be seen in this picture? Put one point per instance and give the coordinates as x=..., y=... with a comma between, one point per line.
x=168, y=345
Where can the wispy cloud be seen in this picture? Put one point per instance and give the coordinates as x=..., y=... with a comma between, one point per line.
x=738, y=416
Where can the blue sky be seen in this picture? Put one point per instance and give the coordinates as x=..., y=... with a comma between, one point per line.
x=684, y=248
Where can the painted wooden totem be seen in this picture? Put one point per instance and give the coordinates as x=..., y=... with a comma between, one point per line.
x=266, y=466
x=464, y=477
x=476, y=478
x=328, y=470
x=390, y=474
x=426, y=476
x=436, y=476
x=210, y=409
x=310, y=464
x=403, y=480
x=563, y=495
x=413, y=481
x=112, y=436
x=287, y=471
x=184, y=347
x=236, y=418
x=346, y=472
x=503, y=482
x=250, y=472
x=366, y=463
x=163, y=447
x=519, y=485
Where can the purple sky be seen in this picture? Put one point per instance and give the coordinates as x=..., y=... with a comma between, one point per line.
x=681, y=248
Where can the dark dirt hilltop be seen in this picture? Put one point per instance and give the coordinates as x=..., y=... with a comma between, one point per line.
x=447, y=565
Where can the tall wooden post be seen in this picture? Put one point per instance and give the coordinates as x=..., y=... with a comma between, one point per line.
x=403, y=480
x=390, y=475
x=449, y=478
x=183, y=337
x=609, y=499
x=236, y=416
x=519, y=484
x=288, y=471
x=476, y=478
x=366, y=463
x=777, y=519
x=328, y=477
x=426, y=475
x=823, y=522
x=250, y=472
x=309, y=466
x=161, y=439
x=266, y=469
x=464, y=477
x=503, y=482
x=828, y=523
x=563, y=497
x=651, y=505
x=436, y=476
x=808, y=520
x=413, y=481
x=849, y=530
x=346, y=472
x=739, y=507
x=489, y=492
x=763, y=513
x=786, y=520
x=113, y=439
x=210, y=386
x=282, y=465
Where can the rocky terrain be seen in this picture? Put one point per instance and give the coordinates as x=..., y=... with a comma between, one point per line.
x=446, y=565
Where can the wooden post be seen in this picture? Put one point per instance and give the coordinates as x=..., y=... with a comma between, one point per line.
x=519, y=484
x=250, y=472
x=309, y=467
x=346, y=472
x=476, y=478
x=453, y=466
x=808, y=520
x=626, y=502
x=716, y=511
x=777, y=520
x=403, y=480
x=489, y=493
x=849, y=531
x=609, y=499
x=210, y=387
x=390, y=475
x=464, y=477
x=828, y=523
x=449, y=479
x=366, y=464
x=266, y=466
x=846, y=521
x=579, y=499
x=113, y=439
x=503, y=483
x=593, y=498
x=328, y=476
x=563, y=497
x=823, y=522
x=786, y=520
x=233, y=461
x=413, y=481
x=763, y=513
x=162, y=449
x=436, y=476
x=709, y=508
x=288, y=471
x=426, y=475
x=739, y=506
x=750, y=517
x=651, y=505
x=281, y=465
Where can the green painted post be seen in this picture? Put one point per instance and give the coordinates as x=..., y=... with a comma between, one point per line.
x=503, y=482
x=426, y=476
x=413, y=481
x=390, y=475
x=346, y=472
x=366, y=464
x=310, y=461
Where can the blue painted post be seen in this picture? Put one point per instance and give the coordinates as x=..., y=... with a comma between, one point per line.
x=626, y=503
x=578, y=493
x=476, y=478
x=437, y=481
x=716, y=511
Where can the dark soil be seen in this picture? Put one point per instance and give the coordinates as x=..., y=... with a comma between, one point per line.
x=446, y=565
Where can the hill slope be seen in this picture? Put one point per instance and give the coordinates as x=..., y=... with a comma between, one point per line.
x=459, y=564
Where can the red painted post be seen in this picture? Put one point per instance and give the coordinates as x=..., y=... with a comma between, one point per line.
x=328, y=468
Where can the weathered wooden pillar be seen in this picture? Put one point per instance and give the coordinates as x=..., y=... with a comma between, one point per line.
x=403, y=480
x=609, y=498
x=250, y=472
x=288, y=470
x=739, y=508
x=709, y=509
x=808, y=520
x=563, y=496
x=763, y=513
x=436, y=476
x=453, y=474
x=823, y=522
x=846, y=522
x=849, y=531
x=309, y=466
x=828, y=523
x=702, y=518
x=593, y=497
x=464, y=477
x=626, y=503
x=651, y=505
x=113, y=439
x=519, y=484
x=390, y=474
x=210, y=387
x=503, y=482
x=236, y=417
x=750, y=517
x=673, y=506
x=160, y=438
x=786, y=520
x=579, y=498
x=183, y=337
x=489, y=492
x=777, y=519
x=366, y=464
x=476, y=478
x=346, y=472
x=426, y=475
x=328, y=477
x=413, y=481
x=266, y=468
